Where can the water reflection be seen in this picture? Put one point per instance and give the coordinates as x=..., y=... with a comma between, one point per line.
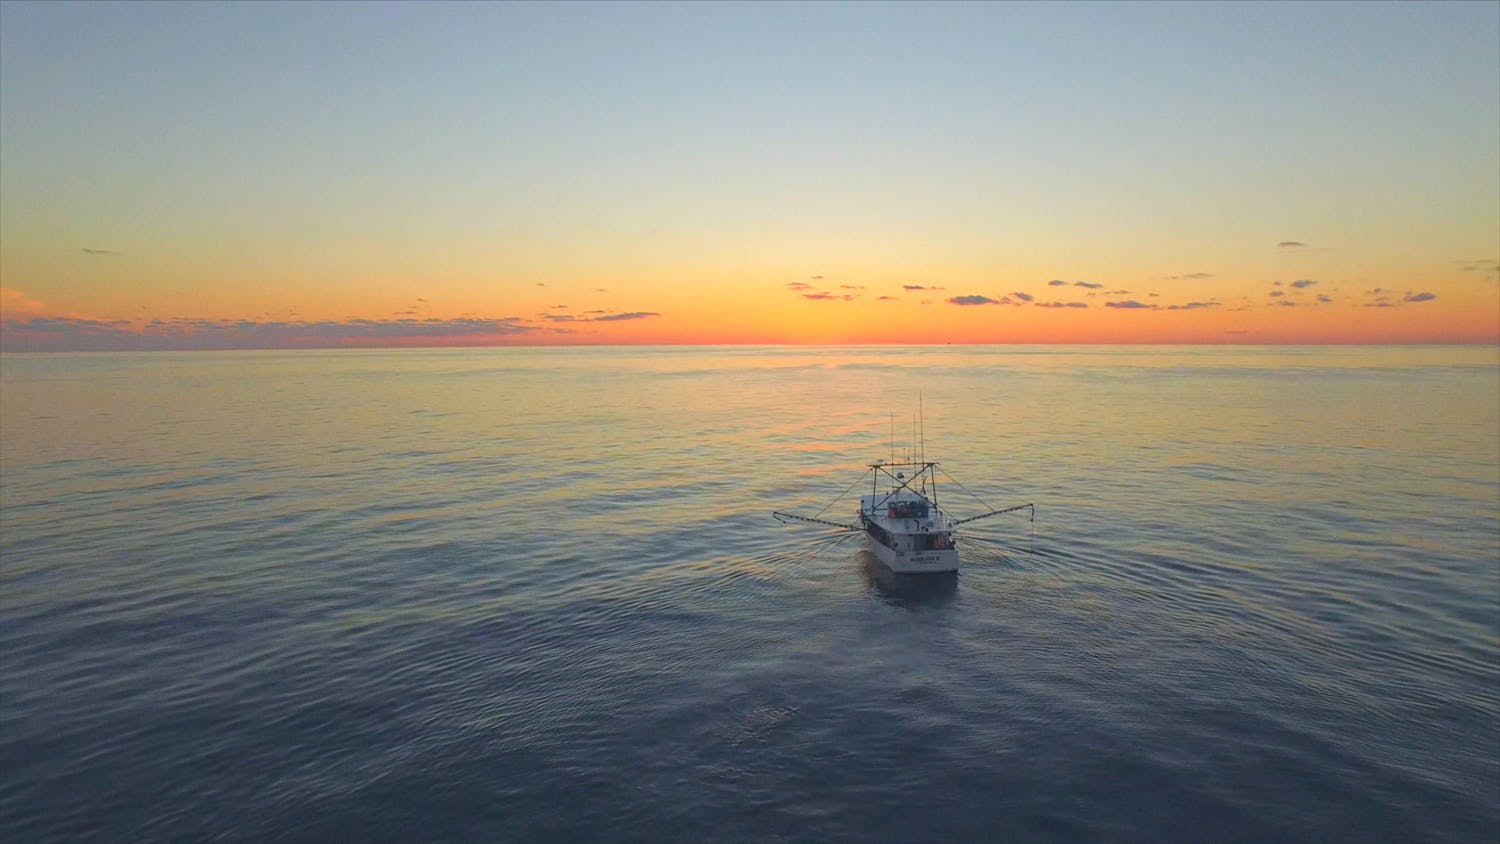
x=908, y=591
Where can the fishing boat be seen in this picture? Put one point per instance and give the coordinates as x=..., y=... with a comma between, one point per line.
x=903, y=525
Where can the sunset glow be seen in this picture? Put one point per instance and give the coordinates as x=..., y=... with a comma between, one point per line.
x=300, y=175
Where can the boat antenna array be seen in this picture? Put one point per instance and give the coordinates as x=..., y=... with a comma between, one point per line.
x=916, y=451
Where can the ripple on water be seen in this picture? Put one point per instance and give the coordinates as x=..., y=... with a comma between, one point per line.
x=524, y=595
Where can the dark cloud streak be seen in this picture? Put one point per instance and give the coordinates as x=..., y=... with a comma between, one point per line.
x=625, y=316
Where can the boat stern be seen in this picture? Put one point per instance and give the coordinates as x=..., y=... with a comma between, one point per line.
x=916, y=562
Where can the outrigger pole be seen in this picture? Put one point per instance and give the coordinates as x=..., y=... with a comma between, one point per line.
x=998, y=512
x=783, y=518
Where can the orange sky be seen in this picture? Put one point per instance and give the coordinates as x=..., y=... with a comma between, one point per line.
x=1461, y=304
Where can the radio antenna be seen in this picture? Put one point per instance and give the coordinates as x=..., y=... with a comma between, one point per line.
x=921, y=414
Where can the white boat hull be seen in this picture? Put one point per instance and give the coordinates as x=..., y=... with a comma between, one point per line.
x=914, y=562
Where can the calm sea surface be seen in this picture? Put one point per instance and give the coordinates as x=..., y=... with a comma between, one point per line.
x=536, y=594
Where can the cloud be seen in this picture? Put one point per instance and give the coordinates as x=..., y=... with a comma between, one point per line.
x=539, y=284
x=88, y=251
x=798, y=285
x=1193, y=306
x=626, y=316
x=558, y=307
x=1287, y=303
x=974, y=299
x=816, y=277
x=1324, y=298
x=851, y=286
x=885, y=298
x=1303, y=283
x=1291, y=244
x=1089, y=284
x=13, y=300
x=1275, y=293
x=1057, y=282
x=605, y=316
x=1024, y=297
x=80, y=334
x=824, y=296
x=918, y=287
x=1129, y=304
x=601, y=290
x=1117, y=293
x=1489, y=269
x=1061, y=304
x=1419, y=297
x=56, y=324
x=1190, y=277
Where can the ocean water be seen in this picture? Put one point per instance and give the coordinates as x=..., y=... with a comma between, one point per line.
x=536, y=594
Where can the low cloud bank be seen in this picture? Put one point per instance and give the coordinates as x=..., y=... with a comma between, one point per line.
x=79, y=334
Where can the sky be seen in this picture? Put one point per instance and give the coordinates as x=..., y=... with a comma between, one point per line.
x=251, y=175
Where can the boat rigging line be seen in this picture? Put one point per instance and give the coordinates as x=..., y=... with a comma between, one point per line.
x=982, y=502
x=857, y=481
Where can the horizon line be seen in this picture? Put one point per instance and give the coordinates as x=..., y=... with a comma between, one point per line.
x=451, y=346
